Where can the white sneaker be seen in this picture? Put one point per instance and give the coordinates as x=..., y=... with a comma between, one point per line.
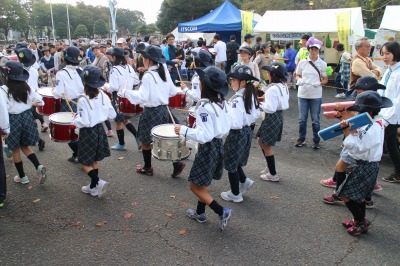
x=24, y=180
x=338, y=95
x=243, y=187
x=229, y=196
x=102, y=188
x=269, y=177
x=92, y=191
x=265, y=170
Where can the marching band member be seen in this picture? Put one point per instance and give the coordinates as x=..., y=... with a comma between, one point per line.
x=243, y=111
x=23, y=131
x=122, y=76
x=276, y=100
x=4, y=131
x=154, y=93
x=212, y=123
x=26, y=57
x=68, y=86
x=365, y=146
x=93, y=108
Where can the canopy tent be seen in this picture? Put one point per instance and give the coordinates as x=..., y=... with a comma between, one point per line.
x=194, y=36
x=301, y=21
x=224, y=20
x=389, y=20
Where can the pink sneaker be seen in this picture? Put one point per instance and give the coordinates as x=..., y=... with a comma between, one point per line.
x=328, y=182
x=378, y=187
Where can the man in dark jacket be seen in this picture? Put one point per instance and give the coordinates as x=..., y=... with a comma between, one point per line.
x=231, y=53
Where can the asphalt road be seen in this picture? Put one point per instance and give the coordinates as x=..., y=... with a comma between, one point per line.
x=142, y=220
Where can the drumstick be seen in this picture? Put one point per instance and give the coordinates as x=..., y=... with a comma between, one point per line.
x=67, y=100
x=185, y=111
x=179, y=73
x=170, y=115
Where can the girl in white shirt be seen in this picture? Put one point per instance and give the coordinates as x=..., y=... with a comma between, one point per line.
x=276, y=100
x=93, y=109
x=212, y=123
x=243, y=111
x=4, y=131
x=23, y=131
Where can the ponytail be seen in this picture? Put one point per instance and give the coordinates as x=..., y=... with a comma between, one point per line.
x=250, y=95
x=161, y=72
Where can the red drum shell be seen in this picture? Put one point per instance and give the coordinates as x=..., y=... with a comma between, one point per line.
x=191, y=120
x=61, y=127
x=127, y=108
x=177, y=101
x=51, y=105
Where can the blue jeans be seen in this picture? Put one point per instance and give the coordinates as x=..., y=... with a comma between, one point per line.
x=314, y=106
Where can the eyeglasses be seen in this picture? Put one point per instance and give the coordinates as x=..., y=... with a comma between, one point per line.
x=366, y=46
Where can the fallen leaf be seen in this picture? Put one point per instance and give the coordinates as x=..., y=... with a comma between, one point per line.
x=128, y=215
x=275, y=197
x=172, y=196
x=102, y=223
x=30, y=187
x=7, y=176
x=134, y=203
x=170, y=215
x=36, y=200
x=78, y=225
x=182, y=232
x=121, y=158
x=127, y=229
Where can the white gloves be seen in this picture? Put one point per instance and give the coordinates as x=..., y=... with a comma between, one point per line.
x=121, y=93
x=316, y=84
x=300, y=82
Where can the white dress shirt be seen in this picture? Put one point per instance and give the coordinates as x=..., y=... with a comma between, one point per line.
x=391, y=115
x=276, y=98
x=220, y=50
x=33, y=78
x=194, y=93
x=4, y=119
x=237, y=112
x=93, y=111
x=366, y=145
x=153, y=91
x=212, y=121
x=68, y=82
x=15, y=107
x=310, y=76
x=122, y=77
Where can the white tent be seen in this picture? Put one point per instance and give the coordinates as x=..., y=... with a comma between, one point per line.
x=181, y=36
x=302, y=21
x=390, y=18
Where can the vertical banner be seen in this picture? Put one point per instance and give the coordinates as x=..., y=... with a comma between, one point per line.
x=344, y=29
x=247, y=22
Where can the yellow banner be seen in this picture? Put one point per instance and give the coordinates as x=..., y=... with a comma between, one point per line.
x=344, y=29
x=247, y=22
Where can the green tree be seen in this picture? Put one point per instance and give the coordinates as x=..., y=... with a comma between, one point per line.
x=81, y=30
x=100, y=28
x=12, y=16
x=61, y=29
x=147, y=29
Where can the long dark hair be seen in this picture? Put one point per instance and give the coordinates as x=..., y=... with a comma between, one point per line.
x=250, y=95
x=120, y=60
x=90, y=91
x=394, y=48
x=19, y=90
x=161, y=72
x=210, y=94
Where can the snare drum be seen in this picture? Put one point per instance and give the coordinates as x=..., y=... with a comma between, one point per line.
x=167, y=145
x=125, y=107
x=61, y=127
x=51, y=105
x=107, y=93
x=191, y=120
x=178, y=101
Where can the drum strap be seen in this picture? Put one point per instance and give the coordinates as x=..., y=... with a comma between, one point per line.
x=151, y=75
x=84, y=96
x=2, y=88
x=117, y=70
x=234, y=97
x=203, y=102
x=67, y=73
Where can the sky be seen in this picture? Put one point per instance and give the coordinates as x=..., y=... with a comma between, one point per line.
x=150, y=8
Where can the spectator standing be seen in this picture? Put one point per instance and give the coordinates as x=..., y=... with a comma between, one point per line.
x=231, y=53
x=264, y=58
x=220, y=52
x=248, y=39
x=290, y=55
x=343, y=69
x=99, y=60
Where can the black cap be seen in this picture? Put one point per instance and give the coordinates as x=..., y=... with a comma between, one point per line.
x=26, y=57
x=246, y=49
x=203, y=56
x=242, y=72
x=15, y=70
x=277, y=68
x=214, y=78
x=72, y=54
x=92, y=76
x=153, y=53
x=20, y=45
x=366, y=83
x=370, y=101
x=118, y=51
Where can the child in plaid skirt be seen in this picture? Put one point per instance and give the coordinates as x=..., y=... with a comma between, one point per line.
x=212, y=123
x=243, y=112
x=23, y=131
x=93, y=109
x=365, y=146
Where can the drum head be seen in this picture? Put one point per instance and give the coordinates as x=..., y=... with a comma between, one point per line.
x=179, y=91
x=46, y=92
x=62, y=118
x=164, y=131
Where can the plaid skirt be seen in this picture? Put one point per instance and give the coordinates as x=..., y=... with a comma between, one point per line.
x=151, y=117
x=271, y=128
x=237, y=148
x=23, y=130
x=360, y=182
x=93, y=144
x=120, y=117
x=65, y=108
x=208, y=163
x=35, y=114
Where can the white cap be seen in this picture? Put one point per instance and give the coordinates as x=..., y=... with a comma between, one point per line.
x=121, y=40
x=315, y=45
